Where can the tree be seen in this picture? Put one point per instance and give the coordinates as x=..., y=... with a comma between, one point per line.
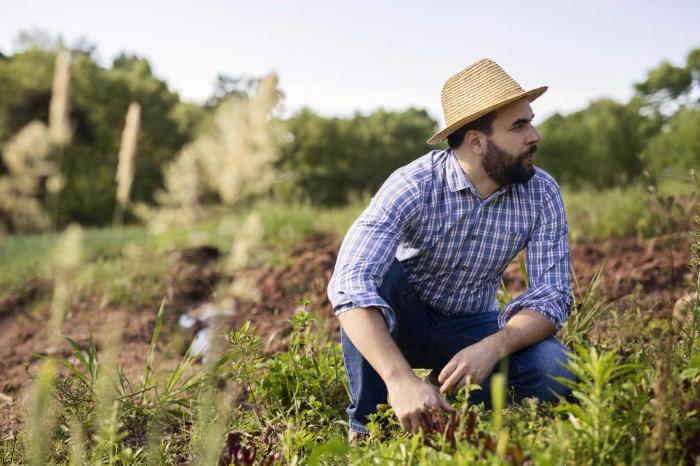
x=599, y=145
x=100, y=99
x=668, y=88
x=332, y=158
x=676, y=149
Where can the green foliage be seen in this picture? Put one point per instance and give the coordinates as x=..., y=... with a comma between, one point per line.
x=292, y=407
x=670, y=84
x=597, y=422
x=596, y=146
x=676, y=149
x=305, y=382
x=585, y=312
x=642, y=209
x=119, y=415
x=100, y=97
x=332, y=158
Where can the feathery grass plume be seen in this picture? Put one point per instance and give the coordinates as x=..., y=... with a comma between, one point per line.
x=210, y=426
x=77, y=443
x=41, y=415
x=31, y=174
x=60, y=131
x=25, y=156
x=59, y=109
x=108, y=427
x=231, y=160
x=178, y=203
x=214, y=406
x=245, y=288
x=246, y=237
x=66, y=261
x=127, y=156
x=238, y=155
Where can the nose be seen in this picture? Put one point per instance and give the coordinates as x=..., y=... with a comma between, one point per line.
x=533, y=137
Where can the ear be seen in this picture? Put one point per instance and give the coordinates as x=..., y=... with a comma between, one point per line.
x=476, y=141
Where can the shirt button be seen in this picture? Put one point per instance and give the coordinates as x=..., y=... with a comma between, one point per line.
x=473, y=237
x=464, y=267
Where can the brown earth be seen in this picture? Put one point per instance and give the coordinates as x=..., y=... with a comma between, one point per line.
x=656, y=268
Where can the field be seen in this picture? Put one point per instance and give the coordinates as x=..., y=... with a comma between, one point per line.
x=169, y=353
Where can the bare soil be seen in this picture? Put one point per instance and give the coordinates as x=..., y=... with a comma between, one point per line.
x=656, y=269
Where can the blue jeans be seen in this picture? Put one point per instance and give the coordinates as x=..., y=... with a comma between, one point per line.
x=429, y=339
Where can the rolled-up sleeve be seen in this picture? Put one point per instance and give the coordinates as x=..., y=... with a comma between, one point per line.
x=548, y=259
x=370, y=245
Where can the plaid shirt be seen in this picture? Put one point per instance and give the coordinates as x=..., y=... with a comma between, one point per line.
x=455, y=246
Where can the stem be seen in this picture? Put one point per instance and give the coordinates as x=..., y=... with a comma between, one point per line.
x=56, y=196
x=119, y=211
x=248, y=376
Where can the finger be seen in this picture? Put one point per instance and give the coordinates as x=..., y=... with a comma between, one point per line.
x=468, y=379
x=444, y=404
x=405, y=423
x=446, y=371
x=451, y=381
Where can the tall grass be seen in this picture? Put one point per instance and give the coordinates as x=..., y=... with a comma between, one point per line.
x=127, y=157
x=33, y=160
x=66, y=261
x=627, y=211
x=230, y=161
x=59, y=109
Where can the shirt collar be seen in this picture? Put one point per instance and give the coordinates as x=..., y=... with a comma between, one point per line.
x=457, y=180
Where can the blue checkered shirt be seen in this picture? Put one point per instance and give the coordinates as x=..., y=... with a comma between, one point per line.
x=455, y=246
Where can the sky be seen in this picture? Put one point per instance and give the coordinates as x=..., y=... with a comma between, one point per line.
x=338, y=57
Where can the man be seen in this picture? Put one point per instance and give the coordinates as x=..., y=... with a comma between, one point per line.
x=416, y=277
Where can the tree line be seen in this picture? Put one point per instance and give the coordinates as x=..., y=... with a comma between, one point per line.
x=325, y=160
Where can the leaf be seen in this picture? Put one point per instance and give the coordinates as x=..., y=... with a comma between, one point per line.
x=334, y=447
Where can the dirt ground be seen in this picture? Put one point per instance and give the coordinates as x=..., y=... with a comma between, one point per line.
x=657, y=269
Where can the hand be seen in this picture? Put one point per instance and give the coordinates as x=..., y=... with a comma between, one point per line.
x=473, y=364
x=414, y=401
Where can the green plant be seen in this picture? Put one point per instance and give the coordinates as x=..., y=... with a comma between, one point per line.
x=585, y=311
x=595, y=419
x=307, y=380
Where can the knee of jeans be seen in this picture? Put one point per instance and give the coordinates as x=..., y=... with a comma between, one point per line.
x=550, y=361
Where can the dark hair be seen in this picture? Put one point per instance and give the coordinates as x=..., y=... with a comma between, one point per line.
x=483, y=124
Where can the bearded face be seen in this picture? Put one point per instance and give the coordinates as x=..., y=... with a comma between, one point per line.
x=506, y=168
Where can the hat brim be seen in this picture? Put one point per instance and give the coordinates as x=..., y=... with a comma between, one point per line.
x=442, y=135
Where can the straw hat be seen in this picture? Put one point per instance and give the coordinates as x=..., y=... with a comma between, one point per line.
x=476, y=91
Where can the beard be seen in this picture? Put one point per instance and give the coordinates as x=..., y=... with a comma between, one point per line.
x=506, y=168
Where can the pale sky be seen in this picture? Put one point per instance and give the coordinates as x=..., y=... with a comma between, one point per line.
x=338, y=57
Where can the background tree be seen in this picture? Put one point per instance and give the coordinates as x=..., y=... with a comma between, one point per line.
x=676, y=149
x=100, y=97
x=332, y=158
x=599, y=145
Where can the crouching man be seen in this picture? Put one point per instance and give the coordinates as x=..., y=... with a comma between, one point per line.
x=415, y=282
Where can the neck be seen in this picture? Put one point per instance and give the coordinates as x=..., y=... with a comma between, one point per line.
x=471, y=166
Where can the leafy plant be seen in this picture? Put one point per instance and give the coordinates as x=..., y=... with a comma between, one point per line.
x=597, y=423
x=585, y=311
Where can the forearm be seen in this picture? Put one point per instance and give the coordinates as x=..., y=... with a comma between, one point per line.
x=368, y=331
x=524, y=329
